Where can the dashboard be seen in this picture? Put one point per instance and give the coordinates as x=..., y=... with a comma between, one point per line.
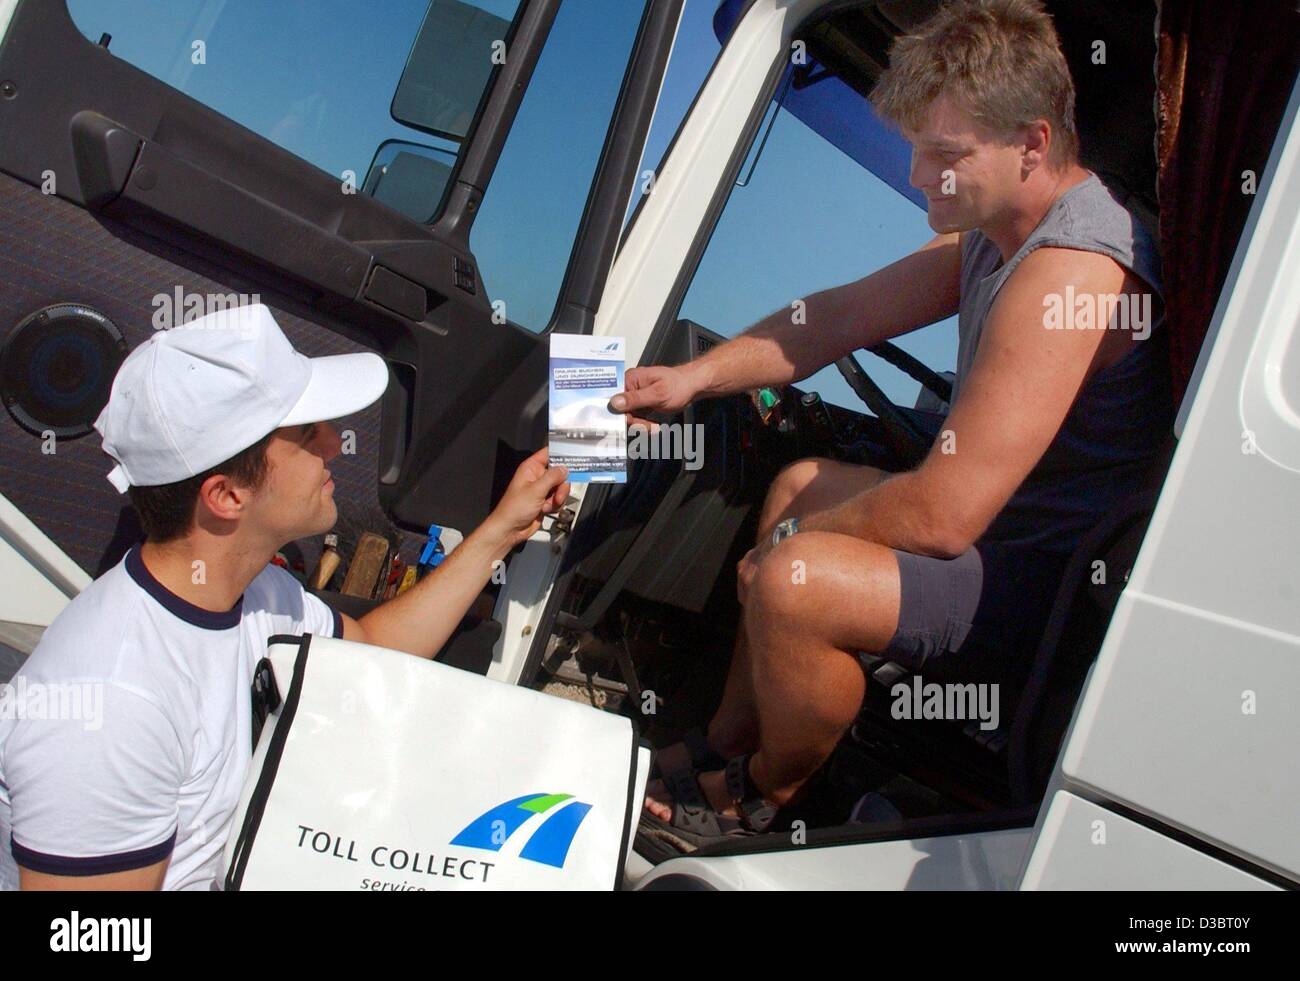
x=689, y=509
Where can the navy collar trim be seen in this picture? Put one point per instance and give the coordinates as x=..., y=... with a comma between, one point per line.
x=184, y=609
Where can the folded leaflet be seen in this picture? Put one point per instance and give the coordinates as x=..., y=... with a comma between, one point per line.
x=586, y=372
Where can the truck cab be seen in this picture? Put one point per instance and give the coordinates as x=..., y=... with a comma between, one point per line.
x=453, y=204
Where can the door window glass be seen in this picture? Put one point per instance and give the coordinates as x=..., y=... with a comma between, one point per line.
x=525, y=230
x=318, y=78
x=810, y=217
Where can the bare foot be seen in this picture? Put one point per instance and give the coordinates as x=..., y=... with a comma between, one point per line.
x=669, y=759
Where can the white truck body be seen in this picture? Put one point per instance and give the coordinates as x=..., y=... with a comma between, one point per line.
x=1178, y=770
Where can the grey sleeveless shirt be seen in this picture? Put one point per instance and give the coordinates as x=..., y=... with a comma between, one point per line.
x=1121, y=420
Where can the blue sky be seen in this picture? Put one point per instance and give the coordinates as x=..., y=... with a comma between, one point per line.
x=809, y=218
x=318, y=78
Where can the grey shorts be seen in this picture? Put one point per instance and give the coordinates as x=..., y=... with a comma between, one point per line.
x=978, y=615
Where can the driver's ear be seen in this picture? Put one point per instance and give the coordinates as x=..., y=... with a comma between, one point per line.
x=222, y=498
x=1037, y=143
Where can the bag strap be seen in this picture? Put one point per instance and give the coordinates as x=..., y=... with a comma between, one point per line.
x=633, y=809
x=270, y=765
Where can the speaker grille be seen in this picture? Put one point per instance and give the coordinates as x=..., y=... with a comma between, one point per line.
x=57, y=368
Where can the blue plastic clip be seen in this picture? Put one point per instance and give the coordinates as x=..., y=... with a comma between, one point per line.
x=433, y=553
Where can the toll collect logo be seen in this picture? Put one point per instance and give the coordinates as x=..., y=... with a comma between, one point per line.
x=549, y=844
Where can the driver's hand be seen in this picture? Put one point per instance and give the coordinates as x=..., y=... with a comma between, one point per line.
x=654, y=389
x=533, y=491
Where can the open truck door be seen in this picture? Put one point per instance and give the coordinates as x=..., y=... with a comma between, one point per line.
x=133, y=181
x=1207, y=623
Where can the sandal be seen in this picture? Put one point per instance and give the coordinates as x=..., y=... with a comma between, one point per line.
x=696, y=822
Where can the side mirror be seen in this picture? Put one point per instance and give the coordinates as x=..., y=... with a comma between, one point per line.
x=449, y=65
x=410, y=178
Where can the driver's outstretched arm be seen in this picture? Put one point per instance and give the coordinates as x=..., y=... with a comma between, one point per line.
x=917, y=290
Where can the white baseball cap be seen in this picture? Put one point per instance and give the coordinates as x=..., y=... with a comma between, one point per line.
x=193, y=396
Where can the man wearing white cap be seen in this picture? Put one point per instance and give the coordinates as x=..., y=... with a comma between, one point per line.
x=218, y=431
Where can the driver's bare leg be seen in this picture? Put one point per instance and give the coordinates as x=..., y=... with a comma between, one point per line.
x=799, y=489
x=806, y=637
x=804, y=633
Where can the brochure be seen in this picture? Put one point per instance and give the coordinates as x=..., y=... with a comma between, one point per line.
x=586, y=372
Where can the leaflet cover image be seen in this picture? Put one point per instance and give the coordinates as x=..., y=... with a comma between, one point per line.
x=586, y=372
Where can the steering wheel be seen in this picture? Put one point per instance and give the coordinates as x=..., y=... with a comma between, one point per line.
x=908, y=440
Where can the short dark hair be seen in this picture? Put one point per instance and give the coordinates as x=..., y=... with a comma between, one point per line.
x=167, y=510
x=1000, y=59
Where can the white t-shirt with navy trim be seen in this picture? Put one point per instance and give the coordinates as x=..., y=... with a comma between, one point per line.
x=127, y=735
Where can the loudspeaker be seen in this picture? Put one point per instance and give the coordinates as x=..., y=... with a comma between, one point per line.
x=57, y=368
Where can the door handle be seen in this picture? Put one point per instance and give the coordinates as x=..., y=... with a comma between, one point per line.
x=143, y=183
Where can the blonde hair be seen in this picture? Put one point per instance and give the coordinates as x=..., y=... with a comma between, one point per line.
x=999, y=60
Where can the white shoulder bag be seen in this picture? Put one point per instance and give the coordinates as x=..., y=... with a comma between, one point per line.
x=383, y=771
